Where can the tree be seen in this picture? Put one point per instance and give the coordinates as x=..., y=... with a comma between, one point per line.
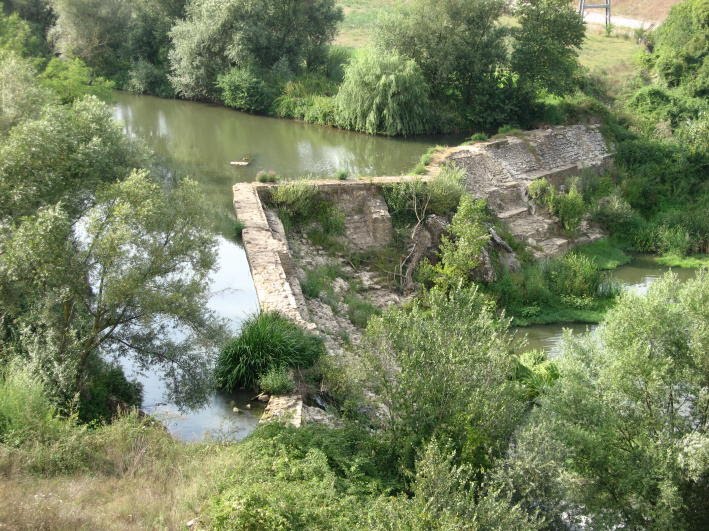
x=63, y=156
x=682, y=47
x=71, y=80
x=21, y=97
x=16, y=36
x=133, y=269
x=95, y=31
x=443, y=367
x=220, y=34
x=547, y=44
x=623, y=435
x=458, y=44
x=383, y=94
x=37, y=12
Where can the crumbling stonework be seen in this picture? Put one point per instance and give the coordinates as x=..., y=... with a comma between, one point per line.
x=498, y=171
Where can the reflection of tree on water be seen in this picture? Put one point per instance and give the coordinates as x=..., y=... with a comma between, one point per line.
x=205, y=138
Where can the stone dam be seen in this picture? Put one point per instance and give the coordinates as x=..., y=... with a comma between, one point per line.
x=499, y=171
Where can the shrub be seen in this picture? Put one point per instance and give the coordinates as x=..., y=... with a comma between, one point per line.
x=539, y=190
x=615, y=215
x=26, y=414
x=342, y=175
x=478, y=137
x=266, y=340
x=383, y=94
x=243, y=89
x=570, y=208
x=276, y=381
x=574, y=275
x=446, y=189
x=297, y=200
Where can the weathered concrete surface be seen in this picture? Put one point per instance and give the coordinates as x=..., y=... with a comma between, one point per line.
x=500, y=171
x=268, y=256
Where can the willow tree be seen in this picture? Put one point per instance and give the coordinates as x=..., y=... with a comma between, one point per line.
x=384, y=94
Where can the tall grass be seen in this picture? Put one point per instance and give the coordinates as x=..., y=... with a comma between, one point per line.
x=267, y=340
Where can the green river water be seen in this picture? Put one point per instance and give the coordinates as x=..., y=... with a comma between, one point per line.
x=200, y=140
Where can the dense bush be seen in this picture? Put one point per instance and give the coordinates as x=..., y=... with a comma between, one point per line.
x=244, y=90
x=442, y=366
x=682, y=47
x=383, y=94
x=611, y=440
x=266, y=341
x=276, y=381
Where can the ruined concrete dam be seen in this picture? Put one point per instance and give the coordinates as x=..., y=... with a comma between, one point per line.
x=498, y=171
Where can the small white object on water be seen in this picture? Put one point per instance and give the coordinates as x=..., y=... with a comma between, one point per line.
x=239, y=163
x=236, y=410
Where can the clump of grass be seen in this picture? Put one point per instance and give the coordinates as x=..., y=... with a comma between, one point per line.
x=316, y=280
x=446, y=189
x=276, y=381
x=267, y=340
x=478, y=137
x=359, y=311
x=268, y=177
x=342, y=175
x=301, y=205
x=690, y=262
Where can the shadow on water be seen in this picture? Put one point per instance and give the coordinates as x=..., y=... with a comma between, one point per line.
x=200, y=141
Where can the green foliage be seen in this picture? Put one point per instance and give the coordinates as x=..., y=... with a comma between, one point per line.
x=457, y=63
x=71, y=80
x=461, y=250
x=276, y=381
x=268, y=177
x=441, y=366
x=570, y=288
x=547, y=43
x=242, y=89
x=16, y=36
x=359, y=310
x=446, y=190
x=569, y=207
x=536, y=373
x=95, y=31
x=26, y=414
x=21, y=97
x=219, y=35
x=266, y=341
x=682, y=47
x=622, y=433
x=314, y=477
x=319, y=278
x=383, y=94
x=606, y=253
x=301, y=206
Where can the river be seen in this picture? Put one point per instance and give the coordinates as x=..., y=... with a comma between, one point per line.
x=200, y=140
